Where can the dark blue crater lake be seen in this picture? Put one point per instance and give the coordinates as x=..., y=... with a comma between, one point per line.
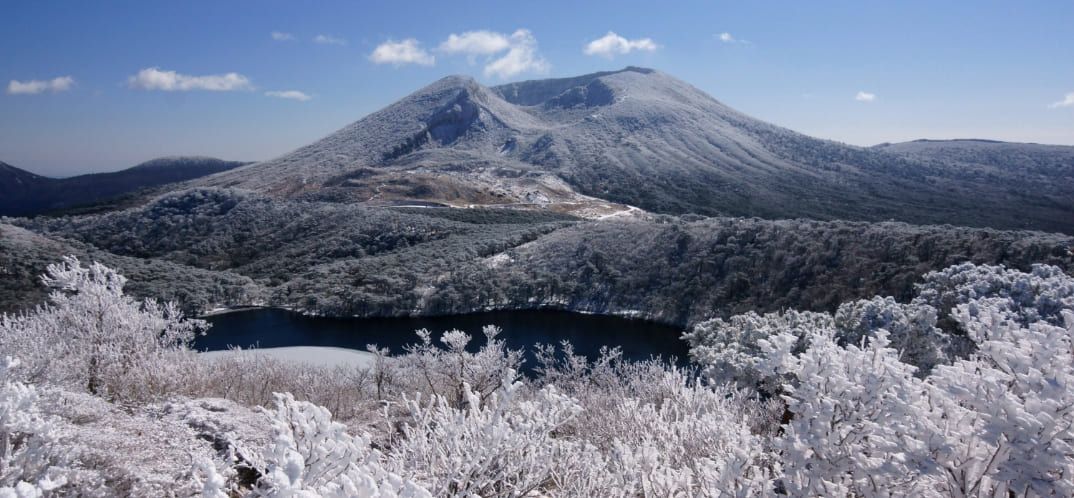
x=268, y=328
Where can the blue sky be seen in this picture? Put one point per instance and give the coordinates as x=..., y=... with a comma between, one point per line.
x=858, y=72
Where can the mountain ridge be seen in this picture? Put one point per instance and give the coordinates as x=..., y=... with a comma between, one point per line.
x=26, y=194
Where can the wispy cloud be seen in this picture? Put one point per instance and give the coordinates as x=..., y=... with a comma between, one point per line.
x=612, y=44
x=170, y=81
x=33, y=87
x=726, y=37
x=281, y=36
x=521, y=57
x=399, y=53
x=865, y=97
x=329, y=40
x=289, y=94
x=1068, y=101
x=475, y=43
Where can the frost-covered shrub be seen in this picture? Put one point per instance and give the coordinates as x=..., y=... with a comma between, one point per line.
x=313, y=456
x=502, y=445
x=729, y=350
x=697, y=442
x=653, y=429
x=1006, y=414
x=911, y=329
x=923, y=331
x=997, y=423
x=91, y=336
x=1039, y=295
x=252, y=379
x=208, y=479
x=452, y=371
x=856, y=429
x=31, y=462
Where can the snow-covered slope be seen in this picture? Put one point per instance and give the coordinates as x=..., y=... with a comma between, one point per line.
x=993, y=157
x=637, y=137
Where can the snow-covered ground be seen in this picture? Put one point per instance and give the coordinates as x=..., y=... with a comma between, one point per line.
x=317, y=355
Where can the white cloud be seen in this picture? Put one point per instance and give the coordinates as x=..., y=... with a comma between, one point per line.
x=612, y=44
x=726, y=37
x=408, y=51
x=1068, y=101
x=33, y=87
x=289, y=94
x=170, y=81
x=520, y=58
x=329, y=40
x=865, y=97
x=505, y=55
x=281, y=36
x=475, y=43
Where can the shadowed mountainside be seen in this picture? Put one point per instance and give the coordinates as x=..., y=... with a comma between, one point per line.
x=25, y=194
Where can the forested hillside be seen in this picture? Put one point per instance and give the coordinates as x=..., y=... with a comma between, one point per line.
x=339, y=259
x=24, y=255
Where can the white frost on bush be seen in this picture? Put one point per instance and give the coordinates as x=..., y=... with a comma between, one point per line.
x=860, y=403
x=313, y=456
x=91, y=336
x=729, y=350
x=1039, y=295
x=31, y=463
x=911, y=329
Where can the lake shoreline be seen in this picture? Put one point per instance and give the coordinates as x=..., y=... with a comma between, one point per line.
x=634, y=315
x=268, y=327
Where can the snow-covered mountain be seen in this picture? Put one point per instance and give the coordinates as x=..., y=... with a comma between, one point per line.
x=640, y=137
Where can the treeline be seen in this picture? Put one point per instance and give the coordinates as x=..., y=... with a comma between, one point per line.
x=343, y=260
x=680, y=271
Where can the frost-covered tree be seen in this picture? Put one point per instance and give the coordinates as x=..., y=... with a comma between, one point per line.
x=653, y=429
x=93, y=337
x=911, y=329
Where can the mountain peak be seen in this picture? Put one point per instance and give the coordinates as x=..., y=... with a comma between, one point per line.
x=537, y=92
x=640, y=137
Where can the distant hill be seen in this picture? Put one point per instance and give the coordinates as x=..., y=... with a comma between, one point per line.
x=24, y=194
x=641, y=137
x=994, y=158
